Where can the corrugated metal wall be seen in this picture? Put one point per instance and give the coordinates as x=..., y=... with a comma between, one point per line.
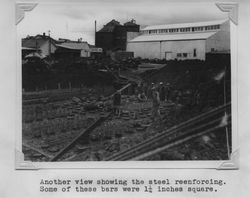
x=168, y=49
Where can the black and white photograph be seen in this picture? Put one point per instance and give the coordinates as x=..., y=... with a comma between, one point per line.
x=124, y=98
x=130, y=82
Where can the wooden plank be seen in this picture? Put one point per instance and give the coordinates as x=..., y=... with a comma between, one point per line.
x=126, y=86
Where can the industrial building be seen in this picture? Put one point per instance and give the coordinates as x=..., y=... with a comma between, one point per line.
x=43, y=44
x=182, y=41
x=113, y=36
x=73, y=49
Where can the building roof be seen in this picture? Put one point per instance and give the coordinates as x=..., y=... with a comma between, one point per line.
x=93, y=46
x=28, y=48
x=172, y=37
x=62, y=40
x=74, y=45
x=110, y=26
x=107, y=29
x=33, y=42
x=36, y=41
x=35, y=55
x=184, y=25
x=130, y=23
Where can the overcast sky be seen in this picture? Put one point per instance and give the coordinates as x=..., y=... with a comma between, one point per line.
x=75, y=21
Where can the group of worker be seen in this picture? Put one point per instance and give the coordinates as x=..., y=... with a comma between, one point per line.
x=161, y=88
x=156, y=93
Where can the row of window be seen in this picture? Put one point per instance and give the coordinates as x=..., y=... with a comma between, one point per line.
x=179, y=55
x=152, y=31
x=212, y=27
x=185, y=55
x=173, y=30
x=185, y=29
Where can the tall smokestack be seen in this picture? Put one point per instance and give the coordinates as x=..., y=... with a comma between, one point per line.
x=49, y=43
x=95, y=32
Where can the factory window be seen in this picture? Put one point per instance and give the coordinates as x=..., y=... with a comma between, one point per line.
x=163, y=31
x=197, y=29
x=145, y=31
x=184, y=55
x=178, y=54
x=184, y=29
x=195, y=53
x=152, y=31
x=212, y=50
x=212, y=27
x=174, y=30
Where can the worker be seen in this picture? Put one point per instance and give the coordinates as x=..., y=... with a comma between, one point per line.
x=142, y=97
x=149, y=91
x=156, y=104
x=140, y=88
x=117, y=103
x=167, y=92
x=162, y=92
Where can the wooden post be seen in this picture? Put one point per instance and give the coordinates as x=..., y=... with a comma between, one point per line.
x=70, y=85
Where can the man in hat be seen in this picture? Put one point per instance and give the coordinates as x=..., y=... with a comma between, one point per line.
x=162, y=92
x=149, y=91
x=168, y=92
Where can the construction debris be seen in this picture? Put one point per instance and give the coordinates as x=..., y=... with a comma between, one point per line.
x=63, y=126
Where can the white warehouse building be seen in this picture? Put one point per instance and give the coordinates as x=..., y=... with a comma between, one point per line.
x=182, y=41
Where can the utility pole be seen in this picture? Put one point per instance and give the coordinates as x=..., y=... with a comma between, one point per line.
x=95, y=32
x=49, y=44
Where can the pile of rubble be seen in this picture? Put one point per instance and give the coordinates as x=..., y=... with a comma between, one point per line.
x=119, y=132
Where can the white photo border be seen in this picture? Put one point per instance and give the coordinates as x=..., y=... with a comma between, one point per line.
x=232, y=163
